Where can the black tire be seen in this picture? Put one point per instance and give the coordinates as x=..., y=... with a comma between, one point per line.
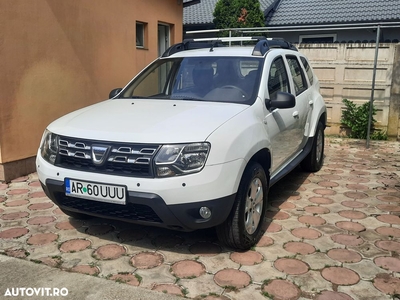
x=315, y=159
x=75, y=215
x=234, y=232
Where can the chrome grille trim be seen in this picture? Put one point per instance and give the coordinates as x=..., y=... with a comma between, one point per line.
x=125, y=159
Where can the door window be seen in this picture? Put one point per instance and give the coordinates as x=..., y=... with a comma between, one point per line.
x=277, y=79
x=300, y=83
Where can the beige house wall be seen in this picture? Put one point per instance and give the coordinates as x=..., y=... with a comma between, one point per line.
x=58, y=56
x=346, y=70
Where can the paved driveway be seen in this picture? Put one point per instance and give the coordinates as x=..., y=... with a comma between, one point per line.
x=333, y=235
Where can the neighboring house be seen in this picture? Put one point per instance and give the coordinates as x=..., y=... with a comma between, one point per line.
x=58, y=56
x=200, y=16
x=307, y=15
x=300, y=19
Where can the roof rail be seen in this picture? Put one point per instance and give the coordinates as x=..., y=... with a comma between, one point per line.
x=263, y=44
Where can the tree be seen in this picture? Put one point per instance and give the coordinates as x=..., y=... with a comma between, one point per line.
x=238, y=14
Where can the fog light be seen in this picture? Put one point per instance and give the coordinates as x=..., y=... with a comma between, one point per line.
x=205, y=212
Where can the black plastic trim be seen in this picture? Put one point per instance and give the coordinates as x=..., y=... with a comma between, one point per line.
x=263, y=45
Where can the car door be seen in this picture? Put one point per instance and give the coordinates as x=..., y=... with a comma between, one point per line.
x=281, y=124
x=303, y=99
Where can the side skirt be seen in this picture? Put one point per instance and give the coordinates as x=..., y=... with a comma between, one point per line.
x=294, y=163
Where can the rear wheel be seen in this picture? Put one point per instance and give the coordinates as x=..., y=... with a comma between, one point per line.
x=314, y=160
x=246, y=223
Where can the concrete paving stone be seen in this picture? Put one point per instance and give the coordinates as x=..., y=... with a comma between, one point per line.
x=328, y=295
x=169, y=288
x=247, y=258
x=369, y=235
x=215, y=263
x=363, y=290
x=155, y=276
x=318, y=261
x=188, y=269
x=281, y=289
x=211, y=296
x=372, y=223
x=281, y=237
x=344, y=255
x=366, y=269
x=147, y=260
x=387, y=284
x=333, y=218
x=311, y=282
x=265, y=271
x=109, y=252
x=250, y=292
x=388, y=231
x=323, y=244
x=171, y=256
x=289, y=224
x=340, y=275
x=265, y=241
x=306, y=233
x=274, y=252
x=299, y=248
x=110, y=267
x=350, y=226
x=232, y=278
x=127, y=278
x=202, y=286
x=291, y=266
x=388, y=263
x=369, y=250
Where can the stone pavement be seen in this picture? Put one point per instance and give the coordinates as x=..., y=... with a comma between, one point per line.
x=334, y=234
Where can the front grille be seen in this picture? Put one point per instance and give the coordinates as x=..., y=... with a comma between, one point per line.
x=122, y=159
x=133, y=212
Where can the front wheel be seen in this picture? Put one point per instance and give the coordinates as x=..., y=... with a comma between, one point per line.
x=314, y=160
x=246, y=223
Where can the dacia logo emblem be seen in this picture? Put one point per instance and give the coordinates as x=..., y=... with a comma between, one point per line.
x=99, y=154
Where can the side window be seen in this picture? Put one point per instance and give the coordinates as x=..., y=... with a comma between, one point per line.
x=308, y=70
x=300, y=83
x=277, y=79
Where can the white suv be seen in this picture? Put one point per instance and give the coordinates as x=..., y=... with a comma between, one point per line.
x=195, y=140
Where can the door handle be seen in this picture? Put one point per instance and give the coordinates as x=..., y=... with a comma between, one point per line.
x=295, y=114
x=311, y=102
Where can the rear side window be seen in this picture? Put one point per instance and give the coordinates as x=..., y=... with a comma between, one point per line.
x=309, y=72
x=277, y=79
x=300, y=83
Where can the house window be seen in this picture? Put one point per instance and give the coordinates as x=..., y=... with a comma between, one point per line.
x=140, y=34
x=317, y=38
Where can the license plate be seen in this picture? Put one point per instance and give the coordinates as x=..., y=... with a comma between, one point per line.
x=95, y=191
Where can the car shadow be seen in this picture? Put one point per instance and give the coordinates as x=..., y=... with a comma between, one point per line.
x=205, y=241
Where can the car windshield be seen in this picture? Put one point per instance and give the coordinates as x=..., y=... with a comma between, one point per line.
x=222, y=79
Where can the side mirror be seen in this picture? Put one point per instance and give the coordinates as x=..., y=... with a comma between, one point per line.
x=283, y=100
x=114, y=92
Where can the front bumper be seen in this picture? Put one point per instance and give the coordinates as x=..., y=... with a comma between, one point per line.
x=144, y=208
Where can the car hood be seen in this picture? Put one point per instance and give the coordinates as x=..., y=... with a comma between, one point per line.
x=146, y=120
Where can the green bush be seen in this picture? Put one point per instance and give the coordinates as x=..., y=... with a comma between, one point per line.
x=356, y=119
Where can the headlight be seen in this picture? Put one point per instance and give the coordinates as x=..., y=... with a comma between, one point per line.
x=181, y=159
x=49, y=147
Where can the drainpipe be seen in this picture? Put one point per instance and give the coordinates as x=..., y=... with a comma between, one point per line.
x=371, y=101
